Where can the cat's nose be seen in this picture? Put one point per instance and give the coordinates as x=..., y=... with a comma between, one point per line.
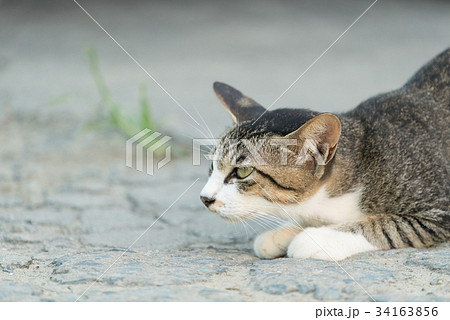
x=207, y=201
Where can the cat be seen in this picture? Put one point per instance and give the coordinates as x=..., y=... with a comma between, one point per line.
x=373, y=178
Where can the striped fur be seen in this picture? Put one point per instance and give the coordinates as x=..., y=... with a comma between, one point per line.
x=390, y=231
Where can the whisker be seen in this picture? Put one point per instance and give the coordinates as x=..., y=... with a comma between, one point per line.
x=210, y=140
x=249, y=225
x=245, y=228
x=267, y=220
x=263, y=225
x=260, y=213
x=278, y=226
x=203, y=120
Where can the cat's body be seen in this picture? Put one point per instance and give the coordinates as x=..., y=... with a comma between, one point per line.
x=374, y=178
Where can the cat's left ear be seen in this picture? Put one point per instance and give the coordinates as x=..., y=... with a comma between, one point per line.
x=238, y=105
x=319, y=137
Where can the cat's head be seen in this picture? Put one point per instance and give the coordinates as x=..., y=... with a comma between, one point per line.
x=267, y=158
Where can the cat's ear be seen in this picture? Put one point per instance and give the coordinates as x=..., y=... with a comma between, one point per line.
x=238, y=105
x=319, y=138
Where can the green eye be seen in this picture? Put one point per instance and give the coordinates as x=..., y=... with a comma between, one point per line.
x=244, y=172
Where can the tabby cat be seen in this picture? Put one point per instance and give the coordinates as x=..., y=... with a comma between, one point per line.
x=373, y=178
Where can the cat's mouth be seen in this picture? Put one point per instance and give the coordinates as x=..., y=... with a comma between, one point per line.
x=219, y=208
x=229, y=217
x=232, y=219
x=216, y=206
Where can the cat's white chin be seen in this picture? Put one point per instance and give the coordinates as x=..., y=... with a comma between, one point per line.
x=231, y=218
x=327, y=244
x=228, y=215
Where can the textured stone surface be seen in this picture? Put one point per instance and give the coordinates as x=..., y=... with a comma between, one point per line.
x=69, y=208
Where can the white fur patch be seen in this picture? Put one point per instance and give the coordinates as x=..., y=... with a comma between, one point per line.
x=214, y=184
x=327, y=244
x=326, y=209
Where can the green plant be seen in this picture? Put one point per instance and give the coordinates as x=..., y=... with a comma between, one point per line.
x=111, y=114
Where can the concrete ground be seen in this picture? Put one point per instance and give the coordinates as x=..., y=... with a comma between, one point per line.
x=69, y=206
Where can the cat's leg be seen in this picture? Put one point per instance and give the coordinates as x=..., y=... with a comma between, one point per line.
x=274, y=243
x=376, y=232
x=327, y=243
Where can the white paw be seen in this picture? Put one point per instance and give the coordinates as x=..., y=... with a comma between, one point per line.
x=327, y=244
x=266, y=247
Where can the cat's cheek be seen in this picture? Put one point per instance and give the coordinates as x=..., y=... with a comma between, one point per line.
x=228, y=195
x=327, y=244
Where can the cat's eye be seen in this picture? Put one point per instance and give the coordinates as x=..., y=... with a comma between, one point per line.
x=244, y=172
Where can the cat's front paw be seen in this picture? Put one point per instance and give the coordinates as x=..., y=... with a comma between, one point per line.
x=327, y=244
x=266, y=246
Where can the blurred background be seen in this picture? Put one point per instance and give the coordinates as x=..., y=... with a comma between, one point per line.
x=70, y=97
x=259, y=47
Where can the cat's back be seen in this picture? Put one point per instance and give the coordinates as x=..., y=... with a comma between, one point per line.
x=433, y=78
x=404, y=142
x=423, y=103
